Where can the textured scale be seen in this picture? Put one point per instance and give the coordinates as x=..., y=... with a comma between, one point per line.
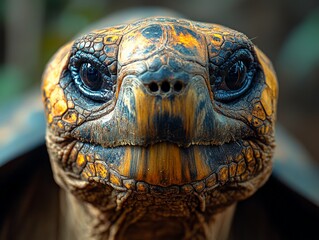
x=162, y=150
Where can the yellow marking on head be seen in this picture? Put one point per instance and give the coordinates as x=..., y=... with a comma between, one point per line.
x=258, y=111
x=50, y=84
x=59, y=104
x=111, y=30
x=270, y=93
x=85, y=174
x=110, y=39
x=217, y=39
x=70, y=117
x=89, y=158
x=60, y=124
x=186, y=39
x=267, y=101
x=59, y=61
x=89, y=171
x=91, y=168
x=50, y=118
x=80, y=160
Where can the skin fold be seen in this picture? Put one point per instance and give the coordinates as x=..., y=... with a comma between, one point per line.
x=156, y=127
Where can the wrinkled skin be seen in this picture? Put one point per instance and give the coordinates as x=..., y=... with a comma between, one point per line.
x=180, y=126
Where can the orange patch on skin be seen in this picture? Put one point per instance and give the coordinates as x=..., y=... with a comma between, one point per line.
x=80, y=160
x=50, y=85
x=267, y=101
x=59, y=104
x=60, y=124
x=50, y=118
x=217, y=39
x=186, y=40
x=59, y=61
x=70, y=118
x=101, y=170
x=270, y=93
x=111, y=30
x=92, y=168
x=259, y=112
x=110, y=39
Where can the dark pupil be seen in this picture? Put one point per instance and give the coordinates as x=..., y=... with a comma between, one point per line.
x=90, y=76
x=236, y=76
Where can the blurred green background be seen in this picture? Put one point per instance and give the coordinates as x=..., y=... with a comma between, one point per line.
x=287, y=31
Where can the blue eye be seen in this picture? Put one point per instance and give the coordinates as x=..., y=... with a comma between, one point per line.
x=91, y=77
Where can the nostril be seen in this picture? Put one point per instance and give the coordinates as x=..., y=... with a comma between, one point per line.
x=153, y=87
x=178, y=86
x=165, y=86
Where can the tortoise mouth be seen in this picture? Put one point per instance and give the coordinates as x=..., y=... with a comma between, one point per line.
x=167, y=165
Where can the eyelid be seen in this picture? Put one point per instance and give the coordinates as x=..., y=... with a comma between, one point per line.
x=77, y=59
x=240, y=55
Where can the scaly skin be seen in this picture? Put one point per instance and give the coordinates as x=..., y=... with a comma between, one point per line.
x=167, y=146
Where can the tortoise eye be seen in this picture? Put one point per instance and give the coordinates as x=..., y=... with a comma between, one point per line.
x=91, y=77
x=236, y=76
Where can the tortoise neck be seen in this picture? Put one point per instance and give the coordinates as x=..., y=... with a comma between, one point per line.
x=80, y=220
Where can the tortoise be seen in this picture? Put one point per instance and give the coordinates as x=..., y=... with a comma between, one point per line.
x=156, y=128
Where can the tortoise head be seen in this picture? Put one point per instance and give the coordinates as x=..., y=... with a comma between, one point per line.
x=161, y=106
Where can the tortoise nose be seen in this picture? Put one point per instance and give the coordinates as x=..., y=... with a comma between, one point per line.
x=165, y=87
